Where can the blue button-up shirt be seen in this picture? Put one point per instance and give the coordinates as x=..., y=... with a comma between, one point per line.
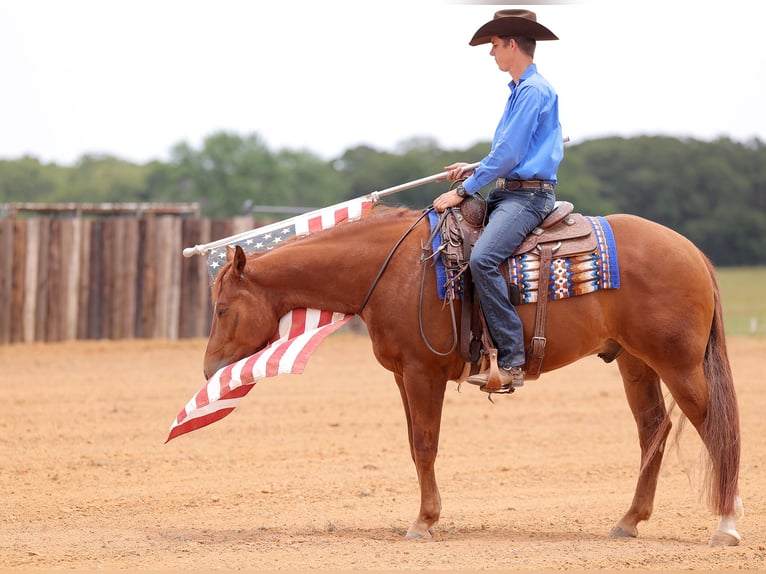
x=528, y=142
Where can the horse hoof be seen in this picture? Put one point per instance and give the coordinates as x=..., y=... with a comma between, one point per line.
x=416, y=533
x=721, y=538
x=620, y=532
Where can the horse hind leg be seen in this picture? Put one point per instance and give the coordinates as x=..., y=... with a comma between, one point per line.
x=707, y=399
x=699, y=377
x=644, y=394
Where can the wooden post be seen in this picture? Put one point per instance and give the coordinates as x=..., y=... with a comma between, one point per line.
x=52, y=292
x=148, y=275
x=6, y=278
x=30, y=279
x=83, y=282
x=70, y=258
x=96, y=280
x=18, y=287
x=129, y=277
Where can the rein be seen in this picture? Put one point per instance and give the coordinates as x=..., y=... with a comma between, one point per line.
x=388, y=260
x=422, y=289
x=420, y=316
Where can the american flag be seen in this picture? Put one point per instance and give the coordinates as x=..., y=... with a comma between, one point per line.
x=299, y=334
x=268, y=237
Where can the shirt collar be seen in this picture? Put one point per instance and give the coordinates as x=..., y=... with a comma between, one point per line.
x=530, y=71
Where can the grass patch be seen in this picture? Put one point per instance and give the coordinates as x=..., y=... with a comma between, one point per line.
x=743, y=295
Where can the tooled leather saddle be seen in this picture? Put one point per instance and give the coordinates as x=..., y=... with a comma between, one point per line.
x=562, y=233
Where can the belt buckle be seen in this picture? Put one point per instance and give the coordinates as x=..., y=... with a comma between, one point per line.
x=500, y=183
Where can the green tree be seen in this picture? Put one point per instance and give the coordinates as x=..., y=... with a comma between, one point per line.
x=103, y=178
x=231, y=174
x=228, y=171
x=27, y=180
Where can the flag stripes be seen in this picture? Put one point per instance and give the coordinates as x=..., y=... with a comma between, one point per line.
x=300, y=333
x=331, y=216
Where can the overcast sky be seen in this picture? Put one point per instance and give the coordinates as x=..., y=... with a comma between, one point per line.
x=134, y=78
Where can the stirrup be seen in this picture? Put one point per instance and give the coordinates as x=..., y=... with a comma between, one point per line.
x=503, y=390
x=490, y=381
x=493, y=378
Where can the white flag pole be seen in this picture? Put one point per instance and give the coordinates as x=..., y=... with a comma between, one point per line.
x=437, y=177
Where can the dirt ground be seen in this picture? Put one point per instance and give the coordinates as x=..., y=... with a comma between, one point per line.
x=312, y=472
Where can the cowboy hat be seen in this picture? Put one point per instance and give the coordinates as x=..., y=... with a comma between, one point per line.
x=512, y=22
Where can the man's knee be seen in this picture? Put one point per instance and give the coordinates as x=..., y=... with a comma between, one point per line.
x=481, y=263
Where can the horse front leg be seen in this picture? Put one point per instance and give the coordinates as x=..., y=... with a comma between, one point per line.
x=644, y=394
x=423, y=400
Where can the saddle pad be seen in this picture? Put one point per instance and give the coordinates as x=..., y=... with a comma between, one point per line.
x=573, y=275
x=570, y=276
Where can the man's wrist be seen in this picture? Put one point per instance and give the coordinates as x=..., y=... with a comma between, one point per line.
x=460, y=190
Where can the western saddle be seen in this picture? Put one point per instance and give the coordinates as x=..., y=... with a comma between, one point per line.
x=562, y=233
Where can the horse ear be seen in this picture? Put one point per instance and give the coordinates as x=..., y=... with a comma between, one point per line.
x=240, y=259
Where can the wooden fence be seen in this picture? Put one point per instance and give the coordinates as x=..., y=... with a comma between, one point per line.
x=105, y=273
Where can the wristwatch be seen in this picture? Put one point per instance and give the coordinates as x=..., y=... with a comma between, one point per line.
x=460, y=190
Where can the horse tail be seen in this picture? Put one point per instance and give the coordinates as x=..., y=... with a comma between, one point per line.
x=721, y=432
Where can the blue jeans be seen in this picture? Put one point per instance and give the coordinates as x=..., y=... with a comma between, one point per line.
x=512, y=215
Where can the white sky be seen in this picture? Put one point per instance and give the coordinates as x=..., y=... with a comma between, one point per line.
x=133, y=78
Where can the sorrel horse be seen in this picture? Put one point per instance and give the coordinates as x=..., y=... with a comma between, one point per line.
x=663, y=324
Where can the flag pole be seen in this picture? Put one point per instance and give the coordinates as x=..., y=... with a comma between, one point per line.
x=437, y=177
x=374, y=197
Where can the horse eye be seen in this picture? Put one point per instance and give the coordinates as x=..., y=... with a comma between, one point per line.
x=221, y=311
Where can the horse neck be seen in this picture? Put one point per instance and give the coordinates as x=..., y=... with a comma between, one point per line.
x=332, y=270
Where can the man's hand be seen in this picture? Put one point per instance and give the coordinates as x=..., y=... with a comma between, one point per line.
x=457, y=171
x=446, y=200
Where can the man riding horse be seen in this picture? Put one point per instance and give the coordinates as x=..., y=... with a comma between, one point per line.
x=527, y=149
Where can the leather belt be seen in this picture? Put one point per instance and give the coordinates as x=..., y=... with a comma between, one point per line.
x=505, y=183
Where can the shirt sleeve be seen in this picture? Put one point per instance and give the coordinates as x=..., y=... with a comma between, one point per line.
x=512, y=139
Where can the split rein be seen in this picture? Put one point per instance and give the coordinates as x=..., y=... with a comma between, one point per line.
x=423, y=260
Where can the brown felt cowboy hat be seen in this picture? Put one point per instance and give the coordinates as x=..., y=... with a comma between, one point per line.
x=512, y=22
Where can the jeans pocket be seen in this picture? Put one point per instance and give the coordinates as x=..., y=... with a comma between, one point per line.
x=549, y=202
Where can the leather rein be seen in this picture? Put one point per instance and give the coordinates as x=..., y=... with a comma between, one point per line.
x=422, y=288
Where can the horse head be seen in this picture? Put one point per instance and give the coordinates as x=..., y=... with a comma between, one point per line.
x=244, y=319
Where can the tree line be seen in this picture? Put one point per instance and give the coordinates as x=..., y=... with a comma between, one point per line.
x=713, y=192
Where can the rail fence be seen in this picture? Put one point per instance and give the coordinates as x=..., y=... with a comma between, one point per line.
x=107, y=271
